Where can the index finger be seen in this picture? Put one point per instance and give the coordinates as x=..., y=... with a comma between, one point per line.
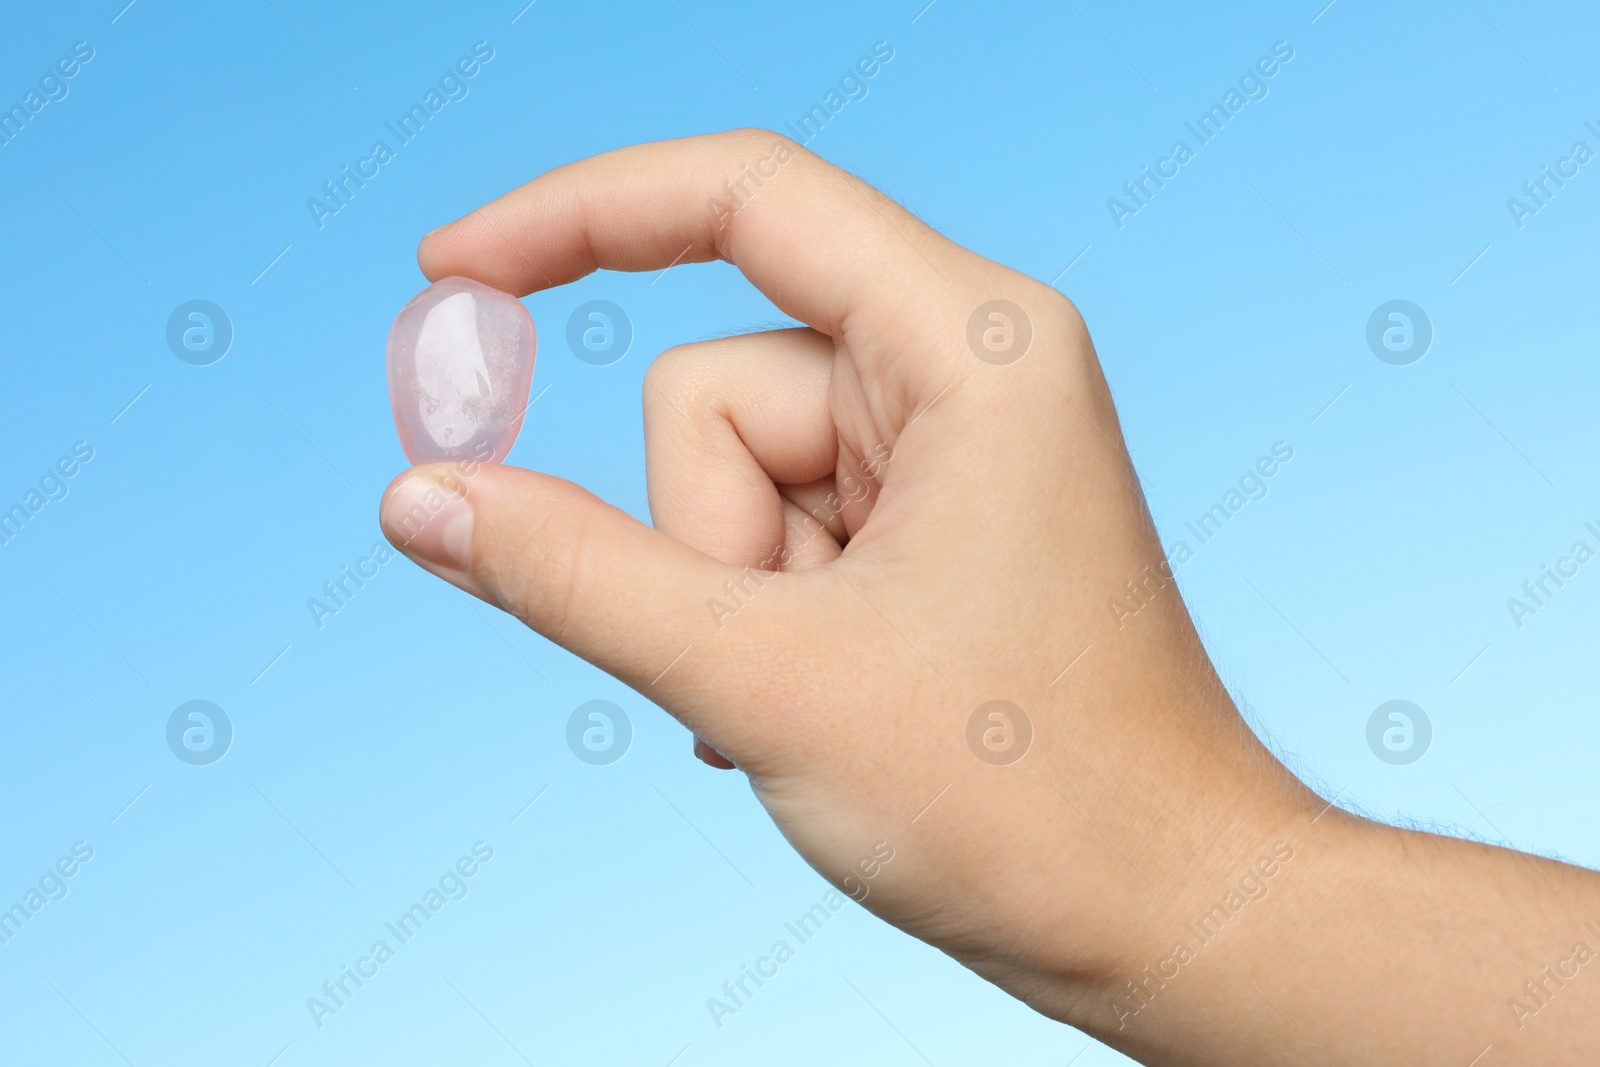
x=817, y=241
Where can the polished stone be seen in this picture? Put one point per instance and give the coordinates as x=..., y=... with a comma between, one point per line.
x=460, y=361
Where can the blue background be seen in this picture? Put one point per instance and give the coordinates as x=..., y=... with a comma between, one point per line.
x=372, y=752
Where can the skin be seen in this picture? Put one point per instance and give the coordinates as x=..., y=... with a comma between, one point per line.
x=919, y=531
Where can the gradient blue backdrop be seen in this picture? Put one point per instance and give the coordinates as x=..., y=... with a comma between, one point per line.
x=371, y=752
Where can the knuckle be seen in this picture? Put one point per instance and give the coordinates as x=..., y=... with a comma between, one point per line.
x=542, y=578
x=664, y=378
x=565, y=585
x=1059, y=314
x=1054, y=314
x=759, y=138
x=682, y=377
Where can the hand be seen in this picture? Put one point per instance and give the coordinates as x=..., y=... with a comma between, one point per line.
x=869, y=529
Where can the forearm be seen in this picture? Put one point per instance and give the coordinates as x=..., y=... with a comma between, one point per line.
x=1366, y=944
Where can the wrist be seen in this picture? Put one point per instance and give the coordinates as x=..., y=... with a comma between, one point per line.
x=1254, y=886
x=1219, y=843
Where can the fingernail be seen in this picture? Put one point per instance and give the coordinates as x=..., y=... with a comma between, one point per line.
x=430, y=522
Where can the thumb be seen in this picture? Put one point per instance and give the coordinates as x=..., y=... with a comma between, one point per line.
x=589, y=577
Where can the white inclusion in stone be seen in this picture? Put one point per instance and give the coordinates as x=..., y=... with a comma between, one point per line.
x=451, y=370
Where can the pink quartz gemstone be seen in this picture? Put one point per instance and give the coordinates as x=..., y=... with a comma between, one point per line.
x=460, y=366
